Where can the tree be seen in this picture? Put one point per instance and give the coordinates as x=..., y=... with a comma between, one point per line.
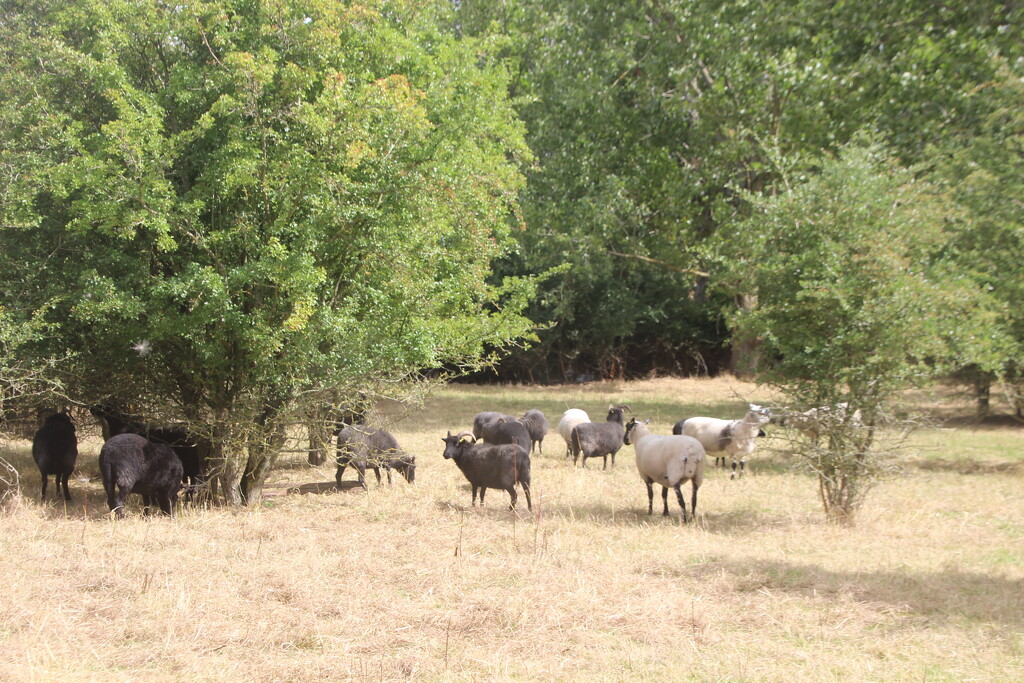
x=984, y=175
x=233, y=210
x=650, y=119
x=855, y=304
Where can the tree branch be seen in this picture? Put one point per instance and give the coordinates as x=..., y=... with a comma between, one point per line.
x=664, y=264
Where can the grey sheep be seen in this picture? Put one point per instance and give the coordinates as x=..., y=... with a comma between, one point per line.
x=366, y=447
x=537, y=425
x=486, y=422
x=494, y=466
x=599, y=439
x=55, y=450
x=130, y=463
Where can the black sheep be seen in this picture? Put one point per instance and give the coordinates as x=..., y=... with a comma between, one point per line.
x=55, y=449
x=510, y=430
x=484, y=424
x=130, y=463
x=495, y=466
x=191, y=448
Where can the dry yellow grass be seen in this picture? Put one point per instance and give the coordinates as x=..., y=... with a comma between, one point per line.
x=409, y=582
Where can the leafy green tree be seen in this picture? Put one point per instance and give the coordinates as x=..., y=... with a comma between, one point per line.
x=855, y=304
x=984, y=174
x=650, y=119
x=234, y=210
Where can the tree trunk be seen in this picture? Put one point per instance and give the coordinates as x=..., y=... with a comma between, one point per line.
x=746, y=349
x=263, y=450
x=320, y=429
x=983, y=393
x=228, y=460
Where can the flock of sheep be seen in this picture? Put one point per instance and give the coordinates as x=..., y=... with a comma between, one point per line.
x=501, y=460
x=156, y=463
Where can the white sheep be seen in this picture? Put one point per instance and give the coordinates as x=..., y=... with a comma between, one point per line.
x=669, y=461
x=821, y=419
x=735, y=438
x=571, y=418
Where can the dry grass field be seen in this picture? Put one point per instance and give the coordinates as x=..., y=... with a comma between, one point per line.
x=410, y=582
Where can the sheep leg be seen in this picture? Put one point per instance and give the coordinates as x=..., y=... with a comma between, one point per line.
x=740, y=466
x=45, y=478
x=605, y=458
x=664, y=500
x=526, y=490
x=693, y=501
x=116, y=500
x=163, y=498
x=361, y=470
x=650, y=495
x=679, y=497
x=483, y=491
x=147, y=501
x=513, y=496
x=337, y=475
x=64, y=482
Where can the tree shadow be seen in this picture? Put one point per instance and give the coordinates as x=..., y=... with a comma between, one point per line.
x=969, y=466
x=313, y=487
x=942, y=595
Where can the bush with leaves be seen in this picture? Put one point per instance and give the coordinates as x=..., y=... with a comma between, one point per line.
x=231, y=210
x=855, y=304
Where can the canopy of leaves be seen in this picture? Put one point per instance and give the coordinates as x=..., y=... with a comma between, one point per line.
x=648, y=120
x=854, y=302
x=264, y=198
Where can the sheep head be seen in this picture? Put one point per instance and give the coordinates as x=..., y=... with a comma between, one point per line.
x=454, y=444
x=630, y=426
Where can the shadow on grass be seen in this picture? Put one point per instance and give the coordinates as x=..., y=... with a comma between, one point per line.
x=313, y=487
x=499, y=512
x=969, y=466
x=942, y=595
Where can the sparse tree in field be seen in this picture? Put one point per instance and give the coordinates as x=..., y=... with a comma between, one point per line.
x=855, y=304
x=231, y=210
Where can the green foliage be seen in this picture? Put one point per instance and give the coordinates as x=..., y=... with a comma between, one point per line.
x=985, y=177
x=854, y=304
x=276, y=200
x=648, y=122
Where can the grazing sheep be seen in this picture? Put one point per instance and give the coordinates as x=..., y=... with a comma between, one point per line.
x=735, y=438
x=494, y=466
x=510, y=430
x=191, y=448
x=571, y=418
x=486, y=422
x=130, y=463
x=816, y=420
x=666, y=460
x=599, y=439
x=537, y=425
x=55, y=449
x=362, y=447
